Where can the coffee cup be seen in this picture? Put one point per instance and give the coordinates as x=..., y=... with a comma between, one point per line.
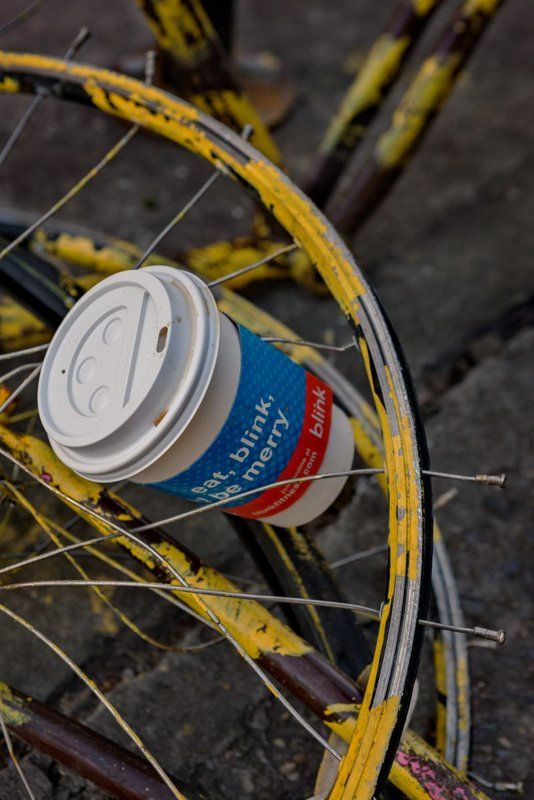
x=146, y=380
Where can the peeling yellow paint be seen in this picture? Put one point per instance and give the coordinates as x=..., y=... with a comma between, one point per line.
x=367, y=89
x=12, y=712
x=357, y=774
x=256, y=629
x=426, y=94
x=9, y=86
x=185, y=32
x=19, y=327
x=423, y=7
x=222, y=258
x=487, y=7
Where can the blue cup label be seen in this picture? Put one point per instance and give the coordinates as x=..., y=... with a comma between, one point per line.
x=278, y=428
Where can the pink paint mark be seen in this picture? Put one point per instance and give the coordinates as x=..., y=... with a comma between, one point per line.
x=402, y=758
x=460, y=793
x=435, y=791
x=428, y=779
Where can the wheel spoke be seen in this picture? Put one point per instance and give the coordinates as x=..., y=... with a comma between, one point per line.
x=204, y=189
x=177, y=218
x=257, y=490
x=365, y=611
x=27, y=351
x=498, y=636
x=161, y=559
x=20, y=388
x=14, y=759
x=82, y=183
x=129, y=731
x=362, y=554
x=117, y=148
x=80, y=39
x=17, y=370
x=20, y=18
x=265, y=260
x=341, y=348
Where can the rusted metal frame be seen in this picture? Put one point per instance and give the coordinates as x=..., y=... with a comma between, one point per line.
x=195, y=62
x=324, y=688
x=364, y=98
x=112, y=768
x=413, y=116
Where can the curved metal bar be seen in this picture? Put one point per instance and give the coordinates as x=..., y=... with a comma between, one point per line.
x=392, y=675
x=89, y=250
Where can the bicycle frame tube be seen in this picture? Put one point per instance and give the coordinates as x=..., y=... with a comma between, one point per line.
x=365, y=96
x=117, y=771
x=413, y=116
x=196, y=63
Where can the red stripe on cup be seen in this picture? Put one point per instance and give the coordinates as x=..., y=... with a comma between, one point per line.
x=306, y=459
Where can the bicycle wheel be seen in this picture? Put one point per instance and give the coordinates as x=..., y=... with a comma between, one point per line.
x=381, y=716
x=289, y=560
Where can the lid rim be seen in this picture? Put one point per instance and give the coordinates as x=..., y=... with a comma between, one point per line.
x=202, y=337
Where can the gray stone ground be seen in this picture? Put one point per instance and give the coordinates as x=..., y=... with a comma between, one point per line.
x=449, y=255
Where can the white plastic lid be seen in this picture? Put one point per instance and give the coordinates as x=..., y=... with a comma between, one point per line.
x=127, y=370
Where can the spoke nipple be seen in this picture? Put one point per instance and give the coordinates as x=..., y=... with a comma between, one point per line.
x=505, y=786
x=492, y=480
x=487, y=633
x=150, y=66
x=247, y=131
x=498, y=786
x=83, y=36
